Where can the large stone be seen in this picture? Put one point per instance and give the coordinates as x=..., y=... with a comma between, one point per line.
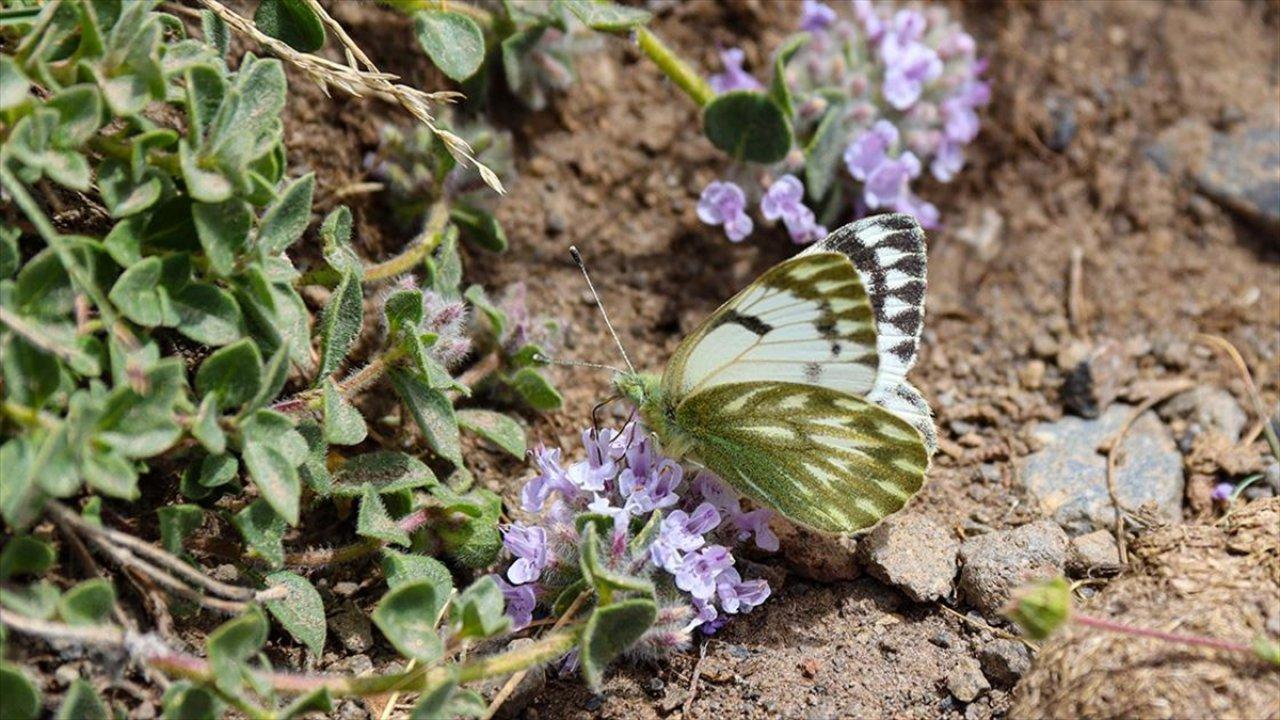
x=1242, y=173
x=1207, y=408
x=1068, y=475
x=996, y=564
x=914, y=554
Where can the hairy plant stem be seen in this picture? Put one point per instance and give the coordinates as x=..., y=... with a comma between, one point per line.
x=27, y=416
x=363, y=548
x=684, y=76
x=349, y=386
x=1197, y=640
x=425, y=244
x=151, y=651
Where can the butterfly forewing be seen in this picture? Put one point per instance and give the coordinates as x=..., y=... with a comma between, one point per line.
x=807, y=320
x=824, y=459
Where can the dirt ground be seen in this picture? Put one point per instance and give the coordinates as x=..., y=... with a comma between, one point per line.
x=1082, y=92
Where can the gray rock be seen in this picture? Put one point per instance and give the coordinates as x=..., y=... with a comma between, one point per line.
x=1004, y=661
x=1068, y=476
x=966, y=681
x=1242, y=173
x=996, y=564
x=1094, y=553
x=914, y=554
x=1272, y=476
x=351, y=626
x=352, y=710
x=818, y=556
x=1208, y=408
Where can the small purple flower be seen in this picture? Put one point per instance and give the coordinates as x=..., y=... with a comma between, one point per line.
x=948, y=161
x=649, y=481
x=708, y=619
x=601, y=505
x=529, y=546
x=733, y=77
x=746, y=524
x=904, y=81
x=961, y=122
x=738, y=595
x=888, y=181
x=866, y=14
x=724, y=203
x=868, y=151
x=816, y=16
x=681, y=533
x=925, y=212
x=551, y=476
x=784, y=199
x=698, y=572
x=1222, y=491
x=521, y=600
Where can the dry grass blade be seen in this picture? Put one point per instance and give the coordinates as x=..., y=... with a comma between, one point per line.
x=1255, y=398
x=357, y=82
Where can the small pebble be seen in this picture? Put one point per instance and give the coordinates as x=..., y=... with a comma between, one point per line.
x=966, y=681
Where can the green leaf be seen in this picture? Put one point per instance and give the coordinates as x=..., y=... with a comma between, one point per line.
x=301, y=611
x=292, y=22
x=207, y=314
x=604, y=580
x=343, y=424
x=473, y=541
x=335, y=234
x=10, y=258
x=206, y=89
x=183, y=701
x=497, y=428
x=315, y=470
x=407, y=615
x=1267, y=650
x=179, y=521
x=778, y=84
x=38, y=600
x=274, y=376
x=137, y=293
x=610, y=631
x=340, y=324
x=223, y=230
x=748, y=126
x=204, y=184
x=479, y=300
x=88, y=603
x=82, y=703
x=452, y=40
x=287, y=218
x=402, y=568
x=480, y=227
x=19, y=698
x=111, y=474
x=1042, y=608
x=825, y=152
x=231, y=644
x=433, y=703
x=123, y=194
x=373, y=520
x=205, y=427
x=535, y=390
x=276, y=478
x=384, y=471
x=432, y=411
x=14, y=86
x=79, y=115
x=316, y=701
x=444, y=266
x=521, y=74
x=233, y=373
x=479, y=611
x=607, y=16
x=218, y=470
x=263, y=530
x=25, y=555
x=403, y=310
x=216, y=33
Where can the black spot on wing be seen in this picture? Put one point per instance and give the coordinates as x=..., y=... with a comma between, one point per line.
x=904, y=350
x=750, y=322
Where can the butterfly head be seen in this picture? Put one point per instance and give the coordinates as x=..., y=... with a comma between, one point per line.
x=639, y=388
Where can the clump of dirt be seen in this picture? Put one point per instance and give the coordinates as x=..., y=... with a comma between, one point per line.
x=1220, y=581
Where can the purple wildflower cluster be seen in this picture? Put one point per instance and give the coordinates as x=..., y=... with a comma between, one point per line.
x=907, y=85
x=677, y=532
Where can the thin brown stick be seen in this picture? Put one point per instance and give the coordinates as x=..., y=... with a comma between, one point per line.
x=1113, y=446
x=1255, y=398
x=695, y=680
x=1075, y=293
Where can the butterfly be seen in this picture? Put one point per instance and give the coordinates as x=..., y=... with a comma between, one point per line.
x=794, y=391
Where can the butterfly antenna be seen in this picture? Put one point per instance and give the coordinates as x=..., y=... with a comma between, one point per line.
x=577, y=259
x=540, y=357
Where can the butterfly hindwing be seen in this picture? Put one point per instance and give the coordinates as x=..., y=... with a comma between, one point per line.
x=888, y=252
x=824, y=459
x=806, y=320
